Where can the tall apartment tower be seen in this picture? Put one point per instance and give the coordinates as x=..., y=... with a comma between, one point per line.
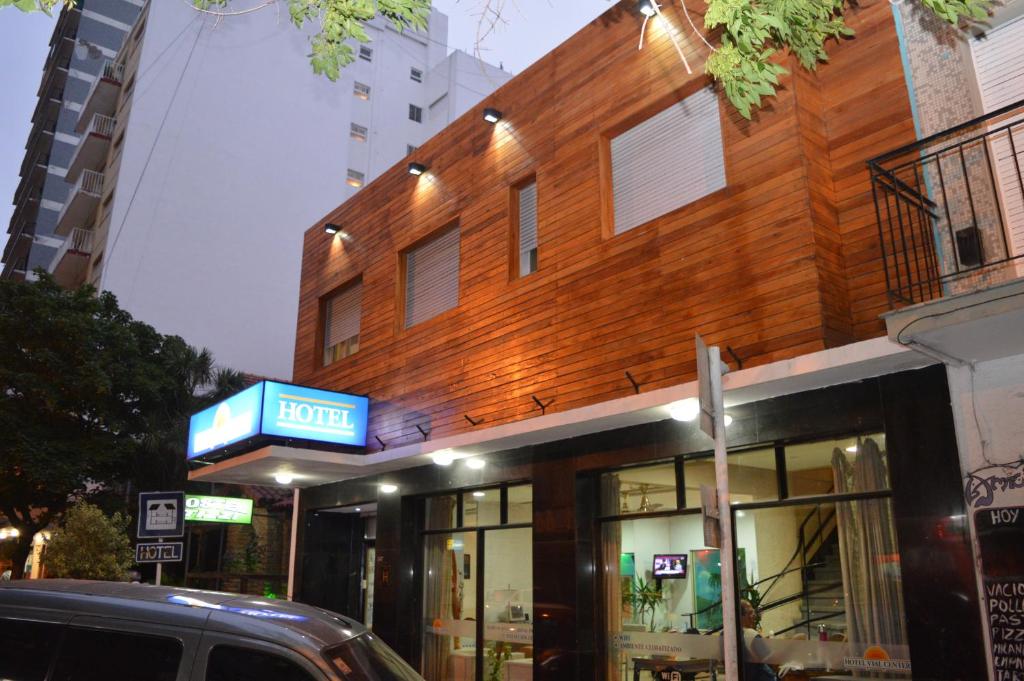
x=83, y=42
x=206, y=145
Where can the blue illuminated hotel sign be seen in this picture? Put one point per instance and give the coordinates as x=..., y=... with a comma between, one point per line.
x=270, y=412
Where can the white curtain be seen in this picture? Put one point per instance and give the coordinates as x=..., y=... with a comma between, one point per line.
x=611, y=552
x=437, y=596
x=868, y=551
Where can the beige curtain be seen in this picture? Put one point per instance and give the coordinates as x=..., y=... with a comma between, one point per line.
x=611, y=550
x=437, y=596
x=868, y=552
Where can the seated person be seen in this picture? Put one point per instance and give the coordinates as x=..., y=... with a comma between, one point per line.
x=754, y=646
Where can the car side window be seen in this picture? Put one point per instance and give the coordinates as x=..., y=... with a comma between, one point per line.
x=102, y=655
x=229, y=663
x=26, y=649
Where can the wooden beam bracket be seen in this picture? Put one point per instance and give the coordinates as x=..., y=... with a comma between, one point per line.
x=424, y=433
x=472, y=421
x=636, y=386
x=543, y=405
x=383, y=445
x=735, y=357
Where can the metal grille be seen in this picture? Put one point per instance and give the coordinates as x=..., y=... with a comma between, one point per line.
x=341, y=326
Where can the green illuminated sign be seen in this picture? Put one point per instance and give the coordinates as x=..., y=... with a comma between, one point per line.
x=218, y=509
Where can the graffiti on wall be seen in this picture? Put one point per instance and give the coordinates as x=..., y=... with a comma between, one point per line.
x=983, y=484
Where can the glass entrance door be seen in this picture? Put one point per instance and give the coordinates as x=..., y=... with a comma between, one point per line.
x=478, y=587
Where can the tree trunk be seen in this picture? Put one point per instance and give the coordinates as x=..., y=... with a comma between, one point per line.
x=21, y=552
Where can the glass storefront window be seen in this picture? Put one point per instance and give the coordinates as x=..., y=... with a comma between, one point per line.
x=441, y=512
x=651, y=622
x=752, y=476
x=823, y=587
x=481, y=508
x=508, y=604
x=830, y=466
x=520, y=504
x=639, y=490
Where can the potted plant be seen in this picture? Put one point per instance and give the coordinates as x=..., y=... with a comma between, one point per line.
x=642, y=597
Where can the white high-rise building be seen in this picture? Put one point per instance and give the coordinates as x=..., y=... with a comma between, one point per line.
x=208, y=147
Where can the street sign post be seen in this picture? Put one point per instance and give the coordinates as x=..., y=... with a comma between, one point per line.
x=159, y=552
x=712, y=422
x=161, y=515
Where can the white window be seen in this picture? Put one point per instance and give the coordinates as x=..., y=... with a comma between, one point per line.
x=526, y=227
x=415, y=113
x=432, y=277
x=357, y=132
x=668, y=161
x=355, y=178
x=416, y=75
x=361, y=90
x=365, y=53
x=341, y=323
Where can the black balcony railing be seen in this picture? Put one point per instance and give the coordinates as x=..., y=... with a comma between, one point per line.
x=950, y=208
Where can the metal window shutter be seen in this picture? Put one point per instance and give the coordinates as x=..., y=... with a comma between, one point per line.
x=432, y=278
x=668, y=161
x=527, y=222
x=343, y=312
x=999, y=65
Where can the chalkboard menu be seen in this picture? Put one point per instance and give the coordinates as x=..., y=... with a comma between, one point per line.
x=1001, y=540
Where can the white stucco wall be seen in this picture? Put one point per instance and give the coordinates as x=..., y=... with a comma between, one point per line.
x=233, y=149
x=988, y=410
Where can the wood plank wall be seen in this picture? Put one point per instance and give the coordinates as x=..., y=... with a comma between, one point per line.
x=762, y=266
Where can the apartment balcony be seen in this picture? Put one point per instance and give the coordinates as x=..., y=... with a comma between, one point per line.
x=25, y=211
x=33, y=176
x=67, y=24
x=39, y=141
x=53, y=82
x=71, y=262
x=61, y=49
x=91, y=153
x=102, y=98
x=48, y=108
x=950, y=213
x=80, y=206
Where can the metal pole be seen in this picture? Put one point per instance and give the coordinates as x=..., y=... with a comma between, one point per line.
x=726, y=551
x=294, y=543
x=159, y=566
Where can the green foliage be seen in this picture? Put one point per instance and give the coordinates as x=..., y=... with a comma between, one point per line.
x=753, y=32
x=90, y=545
x=497, y=654
x=341, y=21
x=35, y=5
x=90, y=399
x=643, y=596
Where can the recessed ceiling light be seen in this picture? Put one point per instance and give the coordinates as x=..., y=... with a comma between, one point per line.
x=358, y=509
x=443, y=457
x=476, y=463
x=727, y=419
x=388, y=488
x=685, y=410
x=479, y=494
x=283, y=477
x=852, y=449
x=417, y=168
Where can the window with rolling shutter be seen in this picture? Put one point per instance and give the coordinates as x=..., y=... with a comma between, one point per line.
x=999, y=65
x=341, y=323
x=668, y=161
x=526, y=226
x=432, y=277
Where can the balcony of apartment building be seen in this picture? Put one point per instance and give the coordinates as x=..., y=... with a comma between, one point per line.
x=91, y=153
x=81, y=203
x=51, y=87
x=67, y=24
x=33, y=175
x=71, y=261
x=950, y=213
x=102, y=98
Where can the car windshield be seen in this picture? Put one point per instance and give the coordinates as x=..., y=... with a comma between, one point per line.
x=367, y=658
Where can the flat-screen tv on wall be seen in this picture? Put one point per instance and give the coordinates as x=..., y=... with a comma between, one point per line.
x=669, y=565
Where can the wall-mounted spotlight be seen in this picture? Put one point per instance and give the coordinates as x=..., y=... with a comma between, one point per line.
x=647, y=8
x=331, y=228
x=417, y=169
x=492, y=115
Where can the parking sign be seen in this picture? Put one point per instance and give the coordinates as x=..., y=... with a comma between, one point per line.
x=161, y=514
